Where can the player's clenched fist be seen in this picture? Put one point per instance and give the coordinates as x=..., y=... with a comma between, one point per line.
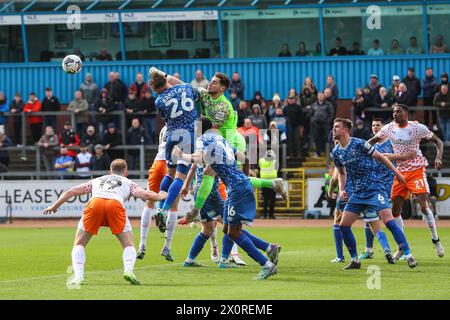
x=400, y=177
x=438, y=164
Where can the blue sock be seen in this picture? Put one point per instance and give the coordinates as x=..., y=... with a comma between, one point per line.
x=338, y=241
x=165, y=183
x=369, y=236
x=399, y=236
x=174, y=191
x=259, y=243
x=197, y=245
x=349, y=240
x=227, y=245
x=383, y=240
x=245, y=243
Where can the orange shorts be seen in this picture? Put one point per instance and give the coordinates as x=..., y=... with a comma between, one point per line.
x=155, y=175
x=416, y=183
x=222, y=190
x=101, y=212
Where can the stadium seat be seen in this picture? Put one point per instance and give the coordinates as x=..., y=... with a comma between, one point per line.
x=150, y=55
x=177, y=54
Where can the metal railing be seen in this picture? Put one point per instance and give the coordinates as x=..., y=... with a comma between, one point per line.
x=38, y=173
x=117, y=113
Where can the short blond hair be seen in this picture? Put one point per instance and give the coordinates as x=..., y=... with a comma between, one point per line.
x=118, y=166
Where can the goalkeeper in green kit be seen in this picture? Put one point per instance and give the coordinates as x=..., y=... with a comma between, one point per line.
x=217, y=108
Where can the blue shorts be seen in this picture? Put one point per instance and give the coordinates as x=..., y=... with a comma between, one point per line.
x=340, y=205
x=368, y=204
x=184, y=139
x=240, y=207
x=213, y=208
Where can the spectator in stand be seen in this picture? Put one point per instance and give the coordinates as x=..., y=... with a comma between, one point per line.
x=395, y=48
x=139, y=86
x=250, y=132
x=90, y=137
x=413, y=85
x=132, y=107
x=177, y=75
x=321, y=119
x=292, y=93
x=100, y=161
x=83, y=161
x=243, y=113
x=374, y=86
x=375, y=50
x=78, y=52
x=318, y=50
x=237, y=86
x=115, y=88
x=3, y=108
x=442, y=101
x=257, y=99
x=34, y=105
x=334, y=91
x=356, y=50
x=275, y=139
x=257, y=118
x=5, y=142
x=48, y=143
x=64, y=163
x=307, y=99
x=103, y=105
x=310, y=84
x=413, y=47
x=403, y=96
x=384, y=102
x=68, y=138
x=444, y=80
x=430, y=88
x=276, y=103
x=338, y=50
x=199, y=81
x=149, y=118
x=302, y=51
x=136, y=136
x=234, y=100
x=281, y=121
x=393, y=90
x=16, y=107
x=285, y=52
x=79, y=106
x=329, y=97
x=89, y=89
x=50, y=103
x=360, y=104
x=111, y=139
x=293, y=111
x=360, y=131
x=104, y=55
x=439, y=46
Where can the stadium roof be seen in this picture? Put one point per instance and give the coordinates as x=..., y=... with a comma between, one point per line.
x=62, y=5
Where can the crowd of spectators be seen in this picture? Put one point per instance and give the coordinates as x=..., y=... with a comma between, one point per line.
x=394, y=48
x=303, y=118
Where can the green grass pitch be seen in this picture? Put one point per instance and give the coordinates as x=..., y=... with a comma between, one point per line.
x=34, y=265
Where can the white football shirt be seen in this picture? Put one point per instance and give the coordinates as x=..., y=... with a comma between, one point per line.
x=407, y=139
x=111, y=187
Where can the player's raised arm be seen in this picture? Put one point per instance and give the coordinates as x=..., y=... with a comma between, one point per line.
x=170, y=79
x=381, y=158
x=401, y=157
x=67, y=195
x=374, y=140
x=196, y=157
x=439, y=151
x=242, y=158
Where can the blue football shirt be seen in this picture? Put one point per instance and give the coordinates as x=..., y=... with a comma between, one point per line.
x=177, y=107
